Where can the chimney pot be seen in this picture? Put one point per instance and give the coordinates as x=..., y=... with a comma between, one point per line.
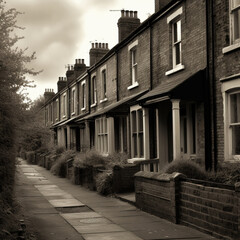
x=106, y=45
x=82, y=61
x=131, y=14
x=127, y=13
x=96, y=44
x=135, y=14
x=100, y=45
x=122, y=13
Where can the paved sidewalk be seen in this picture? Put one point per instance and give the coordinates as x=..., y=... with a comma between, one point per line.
x=60, y=210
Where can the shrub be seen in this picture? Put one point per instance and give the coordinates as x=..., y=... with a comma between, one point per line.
x=118, y=159
x=104, y=183
x=30, y=157
x=228, y=173
x=188, y=168
x=59, y=166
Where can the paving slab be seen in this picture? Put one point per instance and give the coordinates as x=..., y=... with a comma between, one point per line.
x=111, y=236
x=81, y=215
x=66, y=203
x=87, y=221
x=32, y=174
x=28, y=170
x=99, y=228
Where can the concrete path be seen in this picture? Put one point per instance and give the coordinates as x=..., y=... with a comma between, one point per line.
x=60, y=210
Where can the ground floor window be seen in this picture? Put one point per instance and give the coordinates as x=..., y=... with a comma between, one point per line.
x=234, y=123
x=188, y=129
x=102, y=135
x=137, y=137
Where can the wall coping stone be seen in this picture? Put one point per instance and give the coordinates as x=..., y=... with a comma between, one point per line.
x=164, y=177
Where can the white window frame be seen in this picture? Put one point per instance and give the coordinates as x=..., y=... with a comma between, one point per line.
x=234, y=43
x=103, y=72
x=73, y=102
x=132, y=49
x=229, y=87
x=101, y=126
x=138, y=132
x=94, y=91
x=173, y=19
x=57, y=109
x=64, y=105
x=83, y=99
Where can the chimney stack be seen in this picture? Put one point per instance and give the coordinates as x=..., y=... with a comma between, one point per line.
x=159, y=4
x=79, y=67
x=48, y=94
x=70, y=73
x=97, y=51
x=127, y=23
x=62, y=83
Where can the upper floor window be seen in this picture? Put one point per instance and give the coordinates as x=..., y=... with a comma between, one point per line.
x=83, y=91
x=93, y=91
x=73, y=100
x=235, y=20
x=64, y=105
x=132, y=48
x=176, y=43
x=56, y=110
x=104, y=84
x=175, y=25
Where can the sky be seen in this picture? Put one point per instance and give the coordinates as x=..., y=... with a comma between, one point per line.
x=60, y=31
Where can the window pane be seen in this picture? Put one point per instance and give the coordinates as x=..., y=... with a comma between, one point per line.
x=134, y=122
x=235, y=108
x=141, y=150
x=236, y=16
x=140, y=120
x=236, y=140
x=134, y=57
x=177, y=52
x=135, y=145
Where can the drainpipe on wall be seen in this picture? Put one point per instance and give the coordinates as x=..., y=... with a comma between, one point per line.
x=214, y=91
x=151, y=49
x=117, y=87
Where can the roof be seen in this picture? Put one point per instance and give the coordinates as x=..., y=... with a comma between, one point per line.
x=183, y=87
x=114, y=107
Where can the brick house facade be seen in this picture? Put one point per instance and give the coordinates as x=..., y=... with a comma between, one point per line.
x=164, y=92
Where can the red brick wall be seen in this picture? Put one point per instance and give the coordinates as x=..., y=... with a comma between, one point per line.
x=193, y=42
x=143, y=66
x=210, y=209
x=225, y=65
x=111, y=83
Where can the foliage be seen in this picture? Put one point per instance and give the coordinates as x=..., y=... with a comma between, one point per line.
x=13, y=69
x=187, y=167
x=93, y=157
x=59, y=166
x=228, y=173
x=30, y=157
x=104, y=183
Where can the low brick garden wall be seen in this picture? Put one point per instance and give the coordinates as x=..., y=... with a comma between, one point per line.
x=123, y=177
x=209, y=207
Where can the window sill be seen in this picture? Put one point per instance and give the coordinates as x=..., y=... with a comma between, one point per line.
x=83, y=109
x=133, y=86
x=231, y=48
x=93, y=105
x=176, y=69
x=103, y=100
x=134, y=160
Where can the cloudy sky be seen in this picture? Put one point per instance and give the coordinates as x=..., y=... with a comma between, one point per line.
x=60, y=31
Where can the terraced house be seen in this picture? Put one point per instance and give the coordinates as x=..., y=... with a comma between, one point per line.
x=168, y=90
